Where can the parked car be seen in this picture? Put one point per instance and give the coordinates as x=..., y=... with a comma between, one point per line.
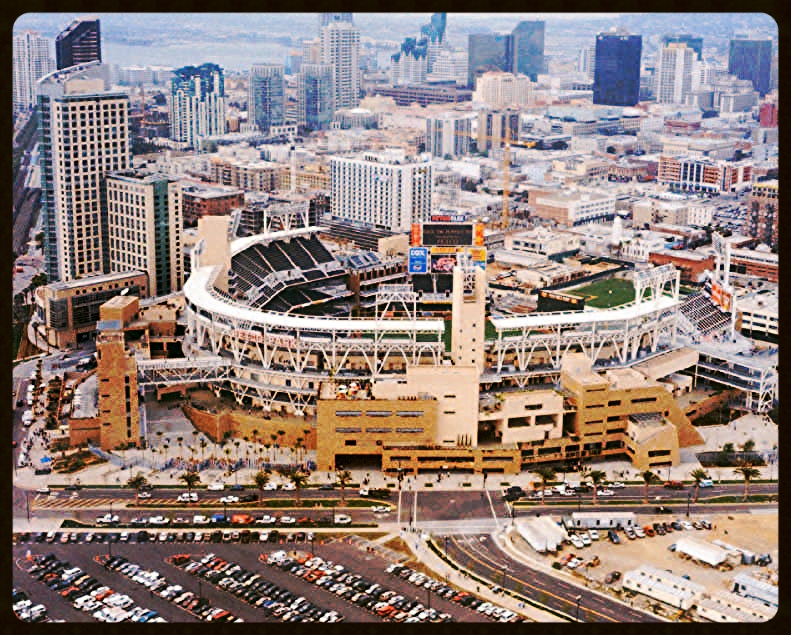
x=612, y=576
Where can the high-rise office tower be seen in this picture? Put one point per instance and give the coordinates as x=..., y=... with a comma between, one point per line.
x=752, y=59
x=494, y=126
x=79, y=43
x=31, y=62
x=197, y=105
x=328, y=18
x=503, y=90
x=586, y=62
x=616, y=79
x=144, y=220
x=449, y=134
x=340, y=46
x=675, y=73
x=527, y=48
x=311, y=51
x=266, y=96
x=387, y=189
x=433, y=34
x=488, y=52
x=315, y=95
x=695, y=43
x=83, y=135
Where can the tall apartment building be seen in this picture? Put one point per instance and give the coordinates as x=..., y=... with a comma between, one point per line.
x=695, y=43
x=31, y=62
x=266, y=96
x=145, y=226
x=764, y=212
x=311, y=51
x=410, y=64
x=450, y=66
x=449, y=134
x=314, y=85
x=79, y=43
x=340, y=46
x=575, y=208
x=616, y=80
x=504, y=90
x=752, y=60
x=197, y=105
x=492, y=126
x=586, y=62
x=328, y=18
x=83, y=135
x=675, y=73
x=527, y=48
x=387, y=190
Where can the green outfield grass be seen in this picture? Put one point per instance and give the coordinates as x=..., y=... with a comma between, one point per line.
x=605, y=294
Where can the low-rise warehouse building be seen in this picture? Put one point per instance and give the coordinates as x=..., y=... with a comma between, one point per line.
x=729, y=608
x=750, y=587
x=663, y=586
x=600, y=520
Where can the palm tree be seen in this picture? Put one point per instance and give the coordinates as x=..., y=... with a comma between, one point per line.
x=236, y=445
x=648, y=478
x=274, y=441
x=596, y=477
x=297, y=477
x=203, y=445
x=748, y=446
x=298, y=447
x=546, y=474
x=190, y=479
x=180, y=440
x=268, y=456
x=748, y=472
x=698, y=475
x=137, y=483
x=343, y=477
x=166, y=447
x=255, y=435
x=260, y=479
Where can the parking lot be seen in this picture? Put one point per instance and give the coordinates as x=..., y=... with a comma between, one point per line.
x=153, y=556
x=755, y=532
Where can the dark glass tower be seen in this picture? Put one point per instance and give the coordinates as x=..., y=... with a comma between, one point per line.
x=616, y=80
x=81, y=42
x=752, y=59
x=527, y=43
x=266, y=105
x=695, y=43
x=488, y=52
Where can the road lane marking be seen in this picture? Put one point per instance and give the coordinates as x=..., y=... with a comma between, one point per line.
x=491, y=506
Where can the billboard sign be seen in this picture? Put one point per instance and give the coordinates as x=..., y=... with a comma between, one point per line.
x=415, y=236
x=447, y=234
x=479, y=238
x=448, y=218
x=418, y=260
x=443, y=263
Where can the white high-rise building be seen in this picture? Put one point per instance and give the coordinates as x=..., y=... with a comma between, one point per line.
x=31, y=62
x=311, y=51
x=449, y=134
x=84, y=134
x=387, y=189
x=144, y=219
x=197, y=104
x=340, y=46
x=586, y=63
x=675, y=73
x=410, y=64
x=450, y=66
x=503, y=90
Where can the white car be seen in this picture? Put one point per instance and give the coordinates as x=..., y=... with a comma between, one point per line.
x=594, y=535
x=124, y=536
x=108, y=519
x=586, y=539
x=363, y=491
x=380, y=509
x=144, y=495
x=229, y=499
x=270, y=487
x=158, y=520
x=187, y=497
x=616, y=485
x=287, y=520
x=638, y=531
x=43, y=490
x=290, y=487
x=569, y=492
x=200, y=520
x=687, y=525
x=216, y=487
x=577, y=542
x=343, y=519
x=266, y=520
x=606, y=492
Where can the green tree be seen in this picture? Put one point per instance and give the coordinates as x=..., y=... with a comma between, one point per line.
x=596, y=477
x=748, y=446
x=649, y=478
x=546, y=474
x=137, y=483
x=747, y=472
x=261, y=479
x=343, y=477
x=728, y=448
x=297, y=477
x=698, y=475
x=190, y=479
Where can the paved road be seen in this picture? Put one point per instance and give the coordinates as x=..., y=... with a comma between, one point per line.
x=479, y=554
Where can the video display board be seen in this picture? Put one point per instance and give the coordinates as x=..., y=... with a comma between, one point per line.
x=448, y=234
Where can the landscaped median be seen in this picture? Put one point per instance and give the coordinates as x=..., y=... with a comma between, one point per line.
x=717, y=500
x=276, y=503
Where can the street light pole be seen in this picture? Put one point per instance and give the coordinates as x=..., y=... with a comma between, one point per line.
x=579, y=501
x=578, y=598
x=689, y=498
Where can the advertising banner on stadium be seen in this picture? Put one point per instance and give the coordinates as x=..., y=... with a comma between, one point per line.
x=721, y=296
x=478, y=256
x=478, y=241
x=416, y=236
x=448, y=218
x=418, y=260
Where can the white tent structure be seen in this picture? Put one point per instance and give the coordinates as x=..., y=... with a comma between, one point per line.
x=702, y=551
x=543, y=534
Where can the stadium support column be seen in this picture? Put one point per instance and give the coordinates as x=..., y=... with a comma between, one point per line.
x=469, y=316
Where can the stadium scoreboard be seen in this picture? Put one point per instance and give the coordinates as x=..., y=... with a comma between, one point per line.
x=447, y=234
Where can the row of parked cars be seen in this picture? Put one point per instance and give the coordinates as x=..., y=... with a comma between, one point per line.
x=665, y=528
x=354, y=588
x=25, y=610
x=463, y=598
x=87, y=594
x=254, y=589
x=157, y=584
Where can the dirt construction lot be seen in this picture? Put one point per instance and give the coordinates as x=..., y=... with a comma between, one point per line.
x=755, y=532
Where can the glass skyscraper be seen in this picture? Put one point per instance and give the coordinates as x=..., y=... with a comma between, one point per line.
x=752, y=60
x=528, y=49
x=616, y=79
x=266, y=95
x=488, y=52
x=80, y=43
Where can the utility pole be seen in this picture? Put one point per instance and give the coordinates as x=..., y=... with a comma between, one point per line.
x=689, y=498
x=578, y=598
